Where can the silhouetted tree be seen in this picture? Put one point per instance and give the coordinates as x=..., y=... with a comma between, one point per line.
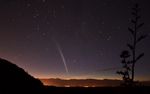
x=137, y=37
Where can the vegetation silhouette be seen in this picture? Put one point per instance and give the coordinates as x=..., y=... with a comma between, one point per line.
x=126, y=68
x=14, y=80
x=137, y=37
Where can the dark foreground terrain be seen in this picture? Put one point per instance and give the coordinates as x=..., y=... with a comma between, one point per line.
x=15, y=80
x=98, y=90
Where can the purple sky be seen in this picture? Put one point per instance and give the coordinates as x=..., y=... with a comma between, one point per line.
x=90, y=33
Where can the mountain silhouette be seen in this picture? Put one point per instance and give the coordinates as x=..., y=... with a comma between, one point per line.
x=14, y=80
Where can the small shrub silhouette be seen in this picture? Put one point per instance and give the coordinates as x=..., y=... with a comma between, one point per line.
x=126, y=68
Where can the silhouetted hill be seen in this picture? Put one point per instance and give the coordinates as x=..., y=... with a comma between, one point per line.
x=14, y=80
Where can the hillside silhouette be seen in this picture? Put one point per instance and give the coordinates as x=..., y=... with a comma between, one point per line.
x=14, y=80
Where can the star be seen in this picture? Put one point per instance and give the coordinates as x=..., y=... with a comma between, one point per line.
x=102, y=22
x=28, y=5
x=43, y=34
x=62, y=6
x=54, y=13
x=43, y=1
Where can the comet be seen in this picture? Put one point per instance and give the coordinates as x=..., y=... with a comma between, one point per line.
x=62, y=55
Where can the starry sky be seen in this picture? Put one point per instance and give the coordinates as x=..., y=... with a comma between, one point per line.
x=71, y=38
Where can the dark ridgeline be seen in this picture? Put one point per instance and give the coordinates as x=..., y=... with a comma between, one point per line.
x=14, y=80
x=129, y=60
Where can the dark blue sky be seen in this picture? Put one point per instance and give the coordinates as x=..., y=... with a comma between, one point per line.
x=89, y=33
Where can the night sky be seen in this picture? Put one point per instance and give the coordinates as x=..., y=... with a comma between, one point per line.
x=71, y=38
